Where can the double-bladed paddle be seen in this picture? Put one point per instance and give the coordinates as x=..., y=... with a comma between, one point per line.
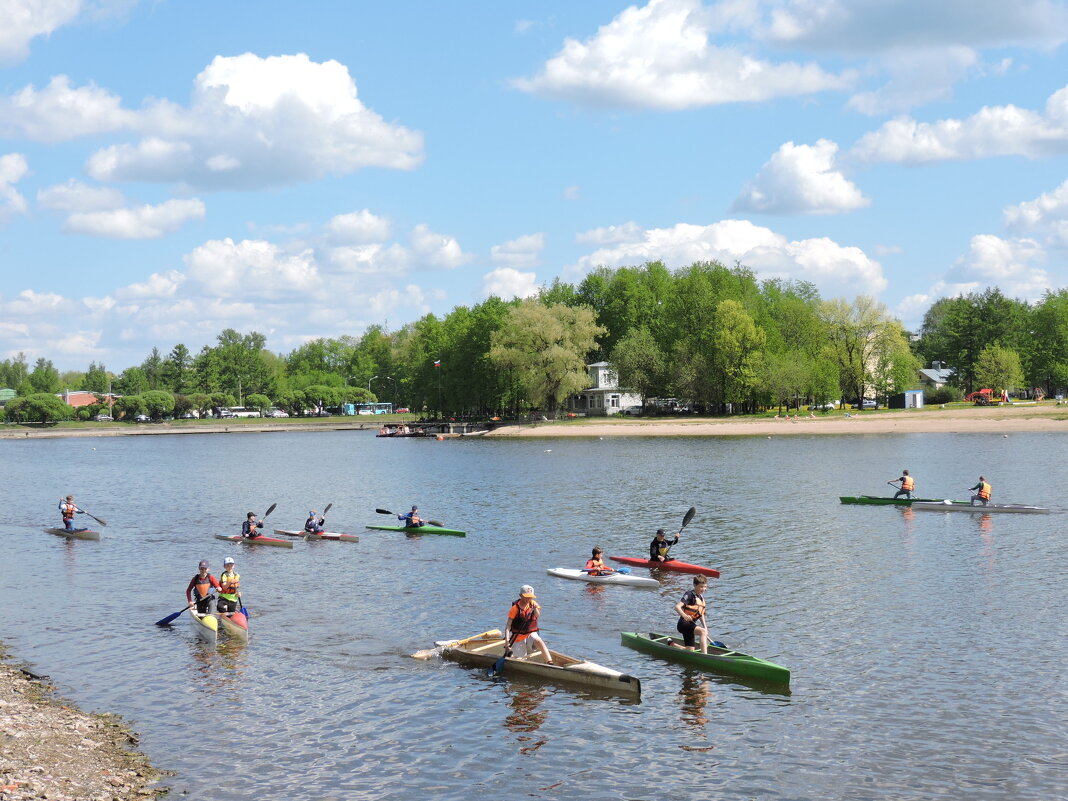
x=621, y=570
x=437, y=523
x=167, y=620
x=685, y=522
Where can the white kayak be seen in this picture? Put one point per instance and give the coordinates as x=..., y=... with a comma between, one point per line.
x=949, y=506
x=615, y=578
x=206, y=626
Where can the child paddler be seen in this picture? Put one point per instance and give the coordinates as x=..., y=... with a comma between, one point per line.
x=201, y=585
x=595, y=565
x=229, y=588
x=658, y=548
x=521, y=630
x=691, y=612
x=68, y=509
x=314, y=523
x=250, y=528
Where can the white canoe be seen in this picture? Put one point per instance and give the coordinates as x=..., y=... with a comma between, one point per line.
x=979, y=508
x=484, y=653
x=324, y=535
x=206, y=626
x=615, y=578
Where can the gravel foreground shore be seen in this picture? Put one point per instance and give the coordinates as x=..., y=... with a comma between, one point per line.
x=51, y=750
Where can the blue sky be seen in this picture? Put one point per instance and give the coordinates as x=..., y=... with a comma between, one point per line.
x=169, y=169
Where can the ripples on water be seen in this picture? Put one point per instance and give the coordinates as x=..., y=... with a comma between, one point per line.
x=926, y=648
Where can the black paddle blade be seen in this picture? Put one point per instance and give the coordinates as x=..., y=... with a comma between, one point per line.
x=327, y=509
x=689, y=516
x=384, y=511
x=437, y=523
x=269, y=510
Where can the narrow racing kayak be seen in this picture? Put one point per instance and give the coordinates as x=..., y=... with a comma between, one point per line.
x=484, y=653
x=427, y=529
x=322, y=535
x=236, y=625
x=873, y=500
x=260, y=540
x=77, y=534
x=615, y=578
x=959, y=506
x=719, y=660
x=670, y=564
x=206, y=626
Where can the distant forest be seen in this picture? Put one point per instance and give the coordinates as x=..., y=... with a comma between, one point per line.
x=710, y=334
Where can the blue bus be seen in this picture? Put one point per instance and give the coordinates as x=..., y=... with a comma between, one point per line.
x=374, y=408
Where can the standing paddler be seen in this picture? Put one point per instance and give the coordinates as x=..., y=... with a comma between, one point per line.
x=68, y=509
x=691, y=612
x=521, y=629
x=908, y=484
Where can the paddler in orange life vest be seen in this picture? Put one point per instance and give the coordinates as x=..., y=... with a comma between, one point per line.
x=229, y=588
x=249, y=527
x=68, y=510
x=595, y=565
x=908, y=484
x=691, y=612
x=984, y=491
x=521, y=630
x=658, y=548
x=201, y=586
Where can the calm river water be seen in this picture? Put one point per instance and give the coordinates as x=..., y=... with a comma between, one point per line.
x=927, y=649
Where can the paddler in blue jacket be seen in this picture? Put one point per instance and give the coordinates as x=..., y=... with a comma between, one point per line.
x=658, y=548
x=314, y=525
x=412, y=519
x=249, y=529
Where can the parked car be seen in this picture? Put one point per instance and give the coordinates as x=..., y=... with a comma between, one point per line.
x=189, y=416
x=633, y=411
x=142, y=418
x=868, y=403
x=104, y=418
x=226, y=414
x=816, y=407
x=402, y=410
x=277, y=413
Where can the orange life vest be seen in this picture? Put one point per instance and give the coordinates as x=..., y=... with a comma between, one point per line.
x=907, y=483
x=231, y=585
x=525, y=621
x=596, y=565
x=68, y=510
x=202, y=586
x=695, y=610
x=984, y=491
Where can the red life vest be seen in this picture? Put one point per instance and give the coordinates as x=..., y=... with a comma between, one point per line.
x=202, y=586
x=907, y=483
x=525, y=621
x=68, y=510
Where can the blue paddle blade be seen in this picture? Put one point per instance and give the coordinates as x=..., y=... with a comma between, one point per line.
x=496, y=667
x=244, y=611
x=717, y=643
x=624, y=570
x=167, y=620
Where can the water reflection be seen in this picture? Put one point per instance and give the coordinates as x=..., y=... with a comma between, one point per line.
x=693, y=698
x=526, y=715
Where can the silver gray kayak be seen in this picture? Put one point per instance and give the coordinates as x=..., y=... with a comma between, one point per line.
x=949, y=506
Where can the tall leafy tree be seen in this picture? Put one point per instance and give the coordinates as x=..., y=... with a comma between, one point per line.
x=638, y=362
x=177, y=369
x=132, y=381
x=1049, y=360
x=152, y=367
x=547, y=347
x=44, y=377
x=13, y=372
x=738, y=353
x=39, y=407
x=96, y=378
x=999, y=368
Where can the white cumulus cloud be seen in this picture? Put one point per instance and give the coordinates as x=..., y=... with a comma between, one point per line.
x=158, y=285
x=507, y=283
x=523, y=251
x=436, y=250
x=13, y=168
x=77, y=196
x=801, y=179
x=253, y=268
x=610, y=234
x=358, y=227
x=835, y=269
x=991, y=131
x=660, y=56
x=139, y=222
x=25, y=20
x=1014, y=265
x=1046, y=217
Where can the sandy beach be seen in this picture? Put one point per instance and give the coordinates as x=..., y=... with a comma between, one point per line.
x=961, y=420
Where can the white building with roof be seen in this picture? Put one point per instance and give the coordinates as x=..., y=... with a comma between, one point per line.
x=937, y=375
x=604, y=396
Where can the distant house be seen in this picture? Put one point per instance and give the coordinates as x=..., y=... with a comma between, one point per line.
x=83, y=397
x=936, y=376
x=6, y=395
x=604, y=396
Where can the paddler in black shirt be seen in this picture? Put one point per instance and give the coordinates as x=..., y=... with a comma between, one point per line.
x=249, y=527
x=658, y=548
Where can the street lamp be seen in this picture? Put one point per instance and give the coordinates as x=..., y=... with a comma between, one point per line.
x=369, y=380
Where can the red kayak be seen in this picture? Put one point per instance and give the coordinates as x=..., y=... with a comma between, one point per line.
x=670, y=564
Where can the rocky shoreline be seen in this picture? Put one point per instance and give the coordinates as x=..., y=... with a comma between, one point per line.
x=52, y=750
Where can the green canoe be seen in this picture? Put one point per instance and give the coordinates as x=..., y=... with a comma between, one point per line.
x=720, y=660
x=427, y=529
x=873, y=500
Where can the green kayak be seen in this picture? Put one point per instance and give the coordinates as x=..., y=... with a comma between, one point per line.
x=427, y=529
x=720, y=660
x=873, y=500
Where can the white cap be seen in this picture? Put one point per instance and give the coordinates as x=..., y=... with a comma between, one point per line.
x=229, y=560
x=526, y=591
